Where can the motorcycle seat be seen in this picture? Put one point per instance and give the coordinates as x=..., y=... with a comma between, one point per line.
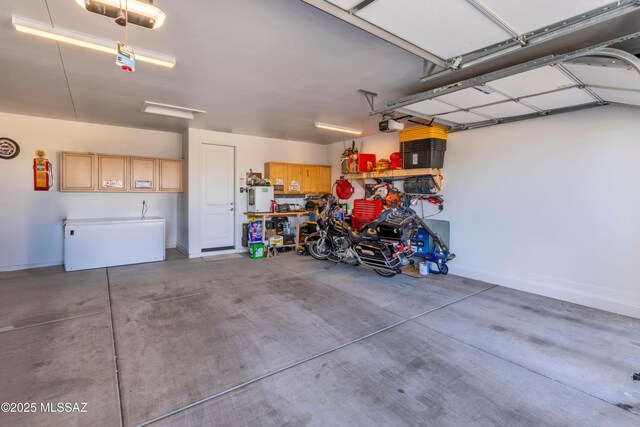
x=369, y=232
x=354, y=235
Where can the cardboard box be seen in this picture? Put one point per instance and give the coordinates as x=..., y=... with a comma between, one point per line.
x=276, y=241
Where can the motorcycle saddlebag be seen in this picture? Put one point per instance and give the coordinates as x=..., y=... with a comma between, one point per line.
x=395, y=228
x=373, y=251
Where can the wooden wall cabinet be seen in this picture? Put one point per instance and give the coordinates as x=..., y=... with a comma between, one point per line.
x=142, y=174
x=112, y=173
x=294, y=179
x=312, y=179
x=171, y=175
x=324, y=179
x=88, y=172
x=77, y=172
x=277, y=174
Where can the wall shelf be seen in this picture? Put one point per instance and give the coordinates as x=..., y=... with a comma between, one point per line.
x=398, y=173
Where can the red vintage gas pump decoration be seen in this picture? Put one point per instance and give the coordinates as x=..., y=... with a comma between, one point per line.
x=42, y=172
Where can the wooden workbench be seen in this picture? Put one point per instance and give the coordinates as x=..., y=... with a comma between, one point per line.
x=265, y=215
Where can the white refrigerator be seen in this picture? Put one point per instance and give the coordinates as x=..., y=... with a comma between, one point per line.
x=259, y=199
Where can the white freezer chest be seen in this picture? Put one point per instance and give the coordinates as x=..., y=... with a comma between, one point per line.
x=106, y=242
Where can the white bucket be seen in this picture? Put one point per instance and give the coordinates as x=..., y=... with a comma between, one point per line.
x=424, y=268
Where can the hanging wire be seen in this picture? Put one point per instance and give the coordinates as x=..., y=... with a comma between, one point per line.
x=126, y=21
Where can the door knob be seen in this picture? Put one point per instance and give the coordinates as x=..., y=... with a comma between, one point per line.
x=231, y=209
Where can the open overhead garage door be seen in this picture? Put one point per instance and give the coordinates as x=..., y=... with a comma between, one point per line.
x=601, y=77
x=458, y=34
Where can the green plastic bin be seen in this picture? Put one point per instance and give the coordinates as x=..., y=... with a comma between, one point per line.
x=256, y=250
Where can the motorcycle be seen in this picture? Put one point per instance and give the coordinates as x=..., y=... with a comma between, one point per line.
x=383, y=244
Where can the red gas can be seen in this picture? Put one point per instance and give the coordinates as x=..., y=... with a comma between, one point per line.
x=366, y=162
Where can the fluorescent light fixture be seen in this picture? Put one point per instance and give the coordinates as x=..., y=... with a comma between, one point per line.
x=106, y=46
x=144, y=14
x=344, y=129
x=170, y=110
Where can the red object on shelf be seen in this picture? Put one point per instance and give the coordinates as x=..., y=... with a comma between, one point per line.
x=365, y=211
x=366, y=162
x=396, y=161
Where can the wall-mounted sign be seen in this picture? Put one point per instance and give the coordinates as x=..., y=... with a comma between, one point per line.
x=143, y=184
x=9, y=149
x=112, y=183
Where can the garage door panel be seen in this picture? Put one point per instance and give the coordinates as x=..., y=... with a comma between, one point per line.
x=532, y=82
x=561, y=99
x=525, y=16
x=505, y=109
x=472, y=97
x=621, y=96
x=463, y=117
x=613, y=77
x=431, y=107
x=446, y=29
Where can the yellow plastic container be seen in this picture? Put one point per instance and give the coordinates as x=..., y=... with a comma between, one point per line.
x=423, y=132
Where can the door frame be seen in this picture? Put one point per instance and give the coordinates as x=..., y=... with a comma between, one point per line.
x=201, y=187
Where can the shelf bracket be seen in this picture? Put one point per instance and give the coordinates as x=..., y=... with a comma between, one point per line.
x=370, y=97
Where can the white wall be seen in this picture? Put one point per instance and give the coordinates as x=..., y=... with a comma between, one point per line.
x=251, y=152
x=31, y=232
x=548, y=206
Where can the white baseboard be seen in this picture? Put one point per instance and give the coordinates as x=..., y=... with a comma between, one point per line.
x=200, y=254
x=46, y=264
x=607, y=299
x=29, y=266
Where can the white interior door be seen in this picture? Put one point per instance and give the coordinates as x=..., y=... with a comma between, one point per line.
x=217, y=209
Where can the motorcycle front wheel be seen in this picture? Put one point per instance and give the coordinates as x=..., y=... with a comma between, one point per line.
x=319, y=249
x=385, y=273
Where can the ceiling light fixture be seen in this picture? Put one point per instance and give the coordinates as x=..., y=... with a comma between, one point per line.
x=345, y=129
x=142, y=13
x=64, y=36
x=170, y=110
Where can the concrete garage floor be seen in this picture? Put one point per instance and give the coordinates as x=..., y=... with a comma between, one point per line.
x=287, y=341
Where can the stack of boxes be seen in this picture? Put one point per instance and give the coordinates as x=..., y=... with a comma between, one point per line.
x=256, y=248
x=423, y=147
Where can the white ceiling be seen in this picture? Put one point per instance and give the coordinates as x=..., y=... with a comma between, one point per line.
x=258, y=68
x=274, y=68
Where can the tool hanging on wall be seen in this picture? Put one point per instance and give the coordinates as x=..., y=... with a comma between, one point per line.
x=344, y=189
x=125, y=58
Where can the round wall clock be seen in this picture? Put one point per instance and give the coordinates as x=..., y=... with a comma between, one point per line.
x=8, y=148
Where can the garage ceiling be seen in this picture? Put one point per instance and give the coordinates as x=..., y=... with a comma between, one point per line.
x=258, y=68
